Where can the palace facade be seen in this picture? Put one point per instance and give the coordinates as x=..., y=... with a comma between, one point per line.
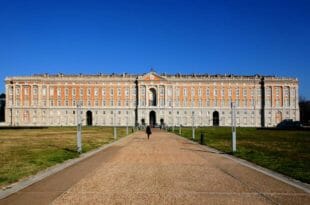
x=151, y=98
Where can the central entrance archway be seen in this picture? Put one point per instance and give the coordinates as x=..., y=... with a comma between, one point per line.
x=216, y=118
x=89, y=118
x=152, y=118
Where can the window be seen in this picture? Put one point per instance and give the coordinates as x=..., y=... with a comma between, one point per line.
x=215, y=92
x=268, y=91
x=35, y=90
x=237, y=92
x=143, y=91
x=26, y=90
x=73, y=103
x=177, y=91
x=229, y=92
x=73, y=91
x=88, y=91
x=237, y=103
x=43, y=91
x=258, y=91
x=169, y=91
x=215, y=103
x=103, y=103
x=199, y=91
x=169, y=103
x=118, y=103
x=103, y=91
x=208, y=103
x=96, y=92
x=208, y=92
x=287, y=103
x=127, y=92
x=52, y=91
x=244, y=103
x=277, y=91
x=81, y=91
x=161, y=90
x=118, y=92
x=66, y=92
x=222, y=92
x=184, y=91
x=51, y=102
x=17, y=90
x=162, y=102
x=111, y=91
x=58, y=103
x=96, y=103
x=244, y=92
x=58, y=92
x=111, y=103
x=277, y=103
x=193, y=92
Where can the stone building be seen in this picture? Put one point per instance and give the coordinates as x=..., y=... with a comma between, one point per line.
x=151, y=98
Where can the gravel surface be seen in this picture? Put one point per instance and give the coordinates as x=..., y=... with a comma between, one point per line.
x=168, y=169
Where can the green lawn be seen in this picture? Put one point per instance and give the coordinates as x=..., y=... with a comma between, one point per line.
x=24, y=152
x=284, y=151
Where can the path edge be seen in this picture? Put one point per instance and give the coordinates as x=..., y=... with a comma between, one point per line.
x=17, y=186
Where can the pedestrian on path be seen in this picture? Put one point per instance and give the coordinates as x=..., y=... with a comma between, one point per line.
x=148, y=131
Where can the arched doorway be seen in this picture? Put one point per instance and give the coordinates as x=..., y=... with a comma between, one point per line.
x=89, y=118
x=216, y=118
x=278, y=117
x=152, y=97
x=152, y=118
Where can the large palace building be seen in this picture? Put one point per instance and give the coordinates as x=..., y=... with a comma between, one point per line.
x=124, y=99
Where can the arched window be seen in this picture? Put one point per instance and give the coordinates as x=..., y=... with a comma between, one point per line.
x=152, y=97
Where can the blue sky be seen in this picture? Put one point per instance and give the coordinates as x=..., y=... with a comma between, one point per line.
x=243, y=37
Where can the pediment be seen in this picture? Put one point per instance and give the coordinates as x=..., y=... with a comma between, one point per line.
x=152, y=76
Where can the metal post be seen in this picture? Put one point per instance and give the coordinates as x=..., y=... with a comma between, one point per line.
x=193, y=126
x=233, y=126
x=172, y=119
x=127, y=125
x=114, y=122
x=79, y=128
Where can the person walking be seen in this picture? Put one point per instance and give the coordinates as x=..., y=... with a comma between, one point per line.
x=148, y=131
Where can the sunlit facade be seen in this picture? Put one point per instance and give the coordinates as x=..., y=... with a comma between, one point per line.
x=151, y=98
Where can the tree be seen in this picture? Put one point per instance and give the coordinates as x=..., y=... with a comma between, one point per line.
x=2, y=107
x=304, y=107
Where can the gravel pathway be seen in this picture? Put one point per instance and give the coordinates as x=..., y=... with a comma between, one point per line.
x=168, y=169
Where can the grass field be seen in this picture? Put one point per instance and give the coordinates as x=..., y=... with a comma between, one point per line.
x=24, y=152
x=284, y=151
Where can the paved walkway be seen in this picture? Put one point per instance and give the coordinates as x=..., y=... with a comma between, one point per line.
x=166, y=169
